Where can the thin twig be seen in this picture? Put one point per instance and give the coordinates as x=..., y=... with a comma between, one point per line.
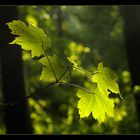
x=51, y=84
x=23, y=99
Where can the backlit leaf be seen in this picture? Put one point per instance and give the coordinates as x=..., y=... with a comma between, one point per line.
x=97, y=103
x=105, y=79
x=29, y=37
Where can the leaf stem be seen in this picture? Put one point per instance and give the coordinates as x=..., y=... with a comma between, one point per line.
x=49, y=61
x=81, y=69
x=74, y=85
x=62, y=75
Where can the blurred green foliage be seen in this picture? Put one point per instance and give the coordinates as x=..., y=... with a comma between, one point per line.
x=91, y=34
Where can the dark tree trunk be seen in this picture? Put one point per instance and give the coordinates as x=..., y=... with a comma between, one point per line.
x=131, y=16
x=17, y=118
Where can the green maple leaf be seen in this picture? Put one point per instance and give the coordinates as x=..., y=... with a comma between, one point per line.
x=29, y=37
x=47, y=74
x=97, y=103
x=105, y=79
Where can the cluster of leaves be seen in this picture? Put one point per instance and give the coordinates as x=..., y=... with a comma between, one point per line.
x=96, y=100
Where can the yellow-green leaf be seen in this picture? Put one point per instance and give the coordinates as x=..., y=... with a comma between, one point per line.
x=105, y=79
x=29, y=37
x=97, y=103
